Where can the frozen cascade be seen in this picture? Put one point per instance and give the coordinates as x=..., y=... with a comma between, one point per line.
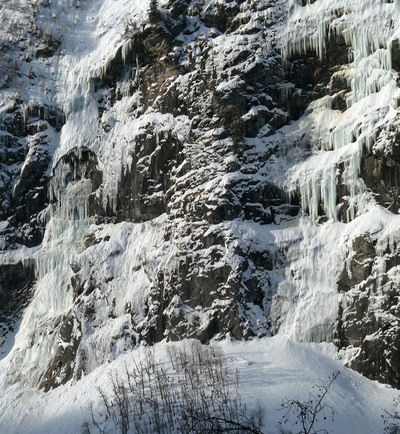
x=306, y=302
x=68, y=222
x=305, y=306
x=37, y=337
x=373, y=90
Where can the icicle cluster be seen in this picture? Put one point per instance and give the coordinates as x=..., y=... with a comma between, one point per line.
x=371, y=102
x=331, y=145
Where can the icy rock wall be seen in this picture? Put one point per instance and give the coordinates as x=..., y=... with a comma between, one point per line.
x=344, y=176
x=343, y=140
x=231, y=169
x=145, y=138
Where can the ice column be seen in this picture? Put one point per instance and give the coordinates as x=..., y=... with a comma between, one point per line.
x=38, y=337
x=305, y=306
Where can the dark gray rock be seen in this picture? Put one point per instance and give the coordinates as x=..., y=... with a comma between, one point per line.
x=369, y=314
x=380, y=171
x=61, y=368
x=16, y=284
x=143, y=188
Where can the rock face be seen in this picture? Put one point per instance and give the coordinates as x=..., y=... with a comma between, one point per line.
x=369, y=309
x=227, y=169
x=15, y=292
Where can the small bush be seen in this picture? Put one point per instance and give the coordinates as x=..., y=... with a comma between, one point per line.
x=391, y=418
x=196, y=394
x=307, y=413
x=128, y=29
x=154, y=12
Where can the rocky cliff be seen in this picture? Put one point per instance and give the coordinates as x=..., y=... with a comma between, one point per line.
x=216, y=168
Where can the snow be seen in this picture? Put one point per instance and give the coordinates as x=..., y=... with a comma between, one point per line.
x=270, y=370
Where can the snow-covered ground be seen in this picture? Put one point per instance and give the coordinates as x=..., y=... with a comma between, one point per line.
x=270, y=370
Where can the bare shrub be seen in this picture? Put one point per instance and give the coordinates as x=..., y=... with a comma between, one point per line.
x=307, y=413
x=391, y=418
x=128, y=29
x=196, y=392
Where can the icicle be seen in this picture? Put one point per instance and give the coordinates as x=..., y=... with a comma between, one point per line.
x=24, y=113
x=328, y=193
x=127, y=49
x=102, y=71
x=286, y=90
x=310, y=197
x=304, y=35
x=319, y=190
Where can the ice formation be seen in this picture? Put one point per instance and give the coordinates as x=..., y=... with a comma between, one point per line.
x=338, y=142
x=35, y=342
x=374, y=93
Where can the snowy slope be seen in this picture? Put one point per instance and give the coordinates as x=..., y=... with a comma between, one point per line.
x=270, y=370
